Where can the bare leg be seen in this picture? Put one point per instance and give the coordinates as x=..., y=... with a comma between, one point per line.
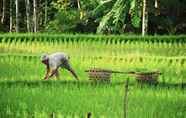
x=57, y=74
x=67, y=66
x=53, y=72
x=73, y=73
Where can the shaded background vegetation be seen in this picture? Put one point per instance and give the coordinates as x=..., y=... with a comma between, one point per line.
x=95, y=16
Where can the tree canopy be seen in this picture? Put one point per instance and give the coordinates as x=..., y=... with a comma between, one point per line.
x=93, y=16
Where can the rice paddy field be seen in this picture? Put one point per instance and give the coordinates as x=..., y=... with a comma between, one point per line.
x=24, y=93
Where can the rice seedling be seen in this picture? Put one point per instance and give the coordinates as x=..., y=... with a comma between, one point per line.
x=25, y=94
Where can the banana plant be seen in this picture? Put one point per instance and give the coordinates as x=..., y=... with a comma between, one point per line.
x=115, y=18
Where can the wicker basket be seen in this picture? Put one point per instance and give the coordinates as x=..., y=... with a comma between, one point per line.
x=97, y=74
x=147, y=77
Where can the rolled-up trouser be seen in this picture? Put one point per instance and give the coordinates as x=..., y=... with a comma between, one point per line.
x=65, y=64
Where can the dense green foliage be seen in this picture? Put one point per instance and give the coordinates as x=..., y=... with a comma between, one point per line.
x=103, y=16
x=115, y=20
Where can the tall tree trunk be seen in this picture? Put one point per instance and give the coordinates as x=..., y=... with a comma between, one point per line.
x=144, y=18
x=3, y=12
x=79, y=9
x=11, y=21
x=157, y=7
x=17, y=15
x=46, y=12
x=78, y=3
x=35, y=15
x=28, y=14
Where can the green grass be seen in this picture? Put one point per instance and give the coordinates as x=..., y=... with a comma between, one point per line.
x=30, y=68
x=106, y=45
x=65, y=98
x=24, y=93
x=77, y=99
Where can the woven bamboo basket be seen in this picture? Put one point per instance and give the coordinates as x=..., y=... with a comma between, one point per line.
x=97, y=74
x=147, y=77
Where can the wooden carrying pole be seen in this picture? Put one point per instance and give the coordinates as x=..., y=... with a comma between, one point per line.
x=108, y=71
x=126, y=97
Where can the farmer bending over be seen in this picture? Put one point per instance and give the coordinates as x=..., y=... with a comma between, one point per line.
x=54, y=61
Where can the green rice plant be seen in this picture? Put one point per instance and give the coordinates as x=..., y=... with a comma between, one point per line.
x=24, y=93
x=77, y=99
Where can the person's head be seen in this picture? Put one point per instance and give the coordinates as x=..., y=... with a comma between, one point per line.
x=44, y=58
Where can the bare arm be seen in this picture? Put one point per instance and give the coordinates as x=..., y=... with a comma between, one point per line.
x=53, y=72
x=47, y=72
